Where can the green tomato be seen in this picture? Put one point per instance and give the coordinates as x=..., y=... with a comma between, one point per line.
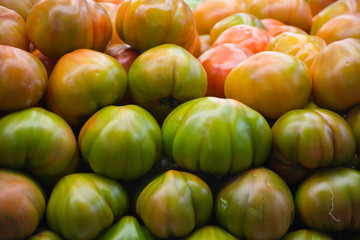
x=210, y=232
x=45, y=235
x=215, y=135
x=121, y=142
x=305, y=234
x=82, y=205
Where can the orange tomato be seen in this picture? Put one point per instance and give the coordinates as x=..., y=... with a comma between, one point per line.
x=276, y=27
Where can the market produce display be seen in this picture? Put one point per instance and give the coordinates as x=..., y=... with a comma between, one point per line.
x=179, y=119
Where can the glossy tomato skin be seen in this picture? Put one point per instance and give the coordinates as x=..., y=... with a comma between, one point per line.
x=121, y=142
x=71, y=211
x=45, y=235
x=304, y=234
x=124, y=54
x=271, y=83
x=40, y=142
x=227, y=137
x=22, y=205
x=218, y=62
x=163, y=77
x=249, y=204
x=335, y=72
x=23, y=79
x=210, y=232
x=314, y=138
x=88, y=78
x=156, y=22
x=174, y=203
x=329, y=200
x=69, y=25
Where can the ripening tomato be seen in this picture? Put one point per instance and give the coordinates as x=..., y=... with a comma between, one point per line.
x=69, y=25
x=276, y=27
x=22, y=7
x=124, y=54
x=305, y=234
x=210, y=232
x=111, y=9
x=45, y=235
x=48, y=62
x=353, y=118
x=318, y=5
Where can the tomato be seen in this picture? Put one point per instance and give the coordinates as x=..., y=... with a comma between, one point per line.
x=156, y=22
x=88, y=78
x=82, y=205
x=304, y=47
x=276, y=27
x=257, y=204
x=339, y=28
x=48, y=62
x=165, y=76
x=318, y=5
x=291, y=12
x=204, y=43
x=218, y=62
x=23, y=79
x=21, y=7
x=69, y=25
x=22, y=205
x=314, y=138
x=329, y=200
x=304, y=234
x=45, y=235
x=232, y=20
x=208, y=12
x=13, y=31
x=217, y=136
x=174, y=203
x=335, y=72
x=124, y=54
x=210, y=232
x=253, y=38
x=117, y=2
x=111, y=9
x=121, y=142
x=353, y=118
x=271, y=83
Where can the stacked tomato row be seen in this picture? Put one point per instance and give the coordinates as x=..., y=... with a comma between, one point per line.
x=151, y=119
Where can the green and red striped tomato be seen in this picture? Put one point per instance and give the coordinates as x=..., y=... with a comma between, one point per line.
x=40, y=142
x=82, y=205
x=217, y=136
x=121, y=142
x=329, y=200
x=304, y=234
x=57, y=27
x=22, y=205
x=174, y=203
x=210, y=232
x=257, y=204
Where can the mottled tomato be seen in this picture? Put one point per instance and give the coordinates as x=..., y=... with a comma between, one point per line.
x=82, y=205
x=303, y=46
x=208, y=12
x=340, y=27
x=48, y=62
x=253, y=38
x=291, y=12
x=218, y=62
x=232, y=20
x=45, y=235
x=21, y=7
x=23, y=79
x=111, y=9
x=333, y=10
x=83, y=82
x=69, y=25
x=13, y=31
x=174, y=203
x=124, y=54
x=215, y=135
x=210, y=232
x=270, y=82
x=144, y=24
x=257, y=204
x=276, y=27
x=335, y=72
x=329, y=200
x=22, y=205
x=305, y=234
x=165, y=76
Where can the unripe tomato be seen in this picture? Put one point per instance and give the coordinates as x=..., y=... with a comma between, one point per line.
x=45, y=235
x=210, y=232
x=304, y=234
x=353, y=118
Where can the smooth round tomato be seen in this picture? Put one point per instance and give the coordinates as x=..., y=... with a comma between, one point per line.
x=88, y=78
x=276, y=27
x=82, y=205
x=217, y=136
x=22, y=205
x=174, y=203
x=210, y=232
x=23, y=79
x=257, y=204
x=271, y=83
x=305, y=234
x=69, y=25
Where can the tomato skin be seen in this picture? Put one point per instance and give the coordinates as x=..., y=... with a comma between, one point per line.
x=21, y=7
x=71, y=211
x=70, y=25
x=88, y=78
x=23, y=79
x=276, y=27
x=318, y=5
x=272, y=83
x=22, y=204
x=111, y=9
x=248, y=205
x=210, y=232
x=174, y=203
x=304, y=234
x=335, y=72
x=48, y=62
x=45, y=235
x=329, y=200
x=121, y=142
x=157, y=22
x=227, y=137
x=124, y=54
x=353, y=118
